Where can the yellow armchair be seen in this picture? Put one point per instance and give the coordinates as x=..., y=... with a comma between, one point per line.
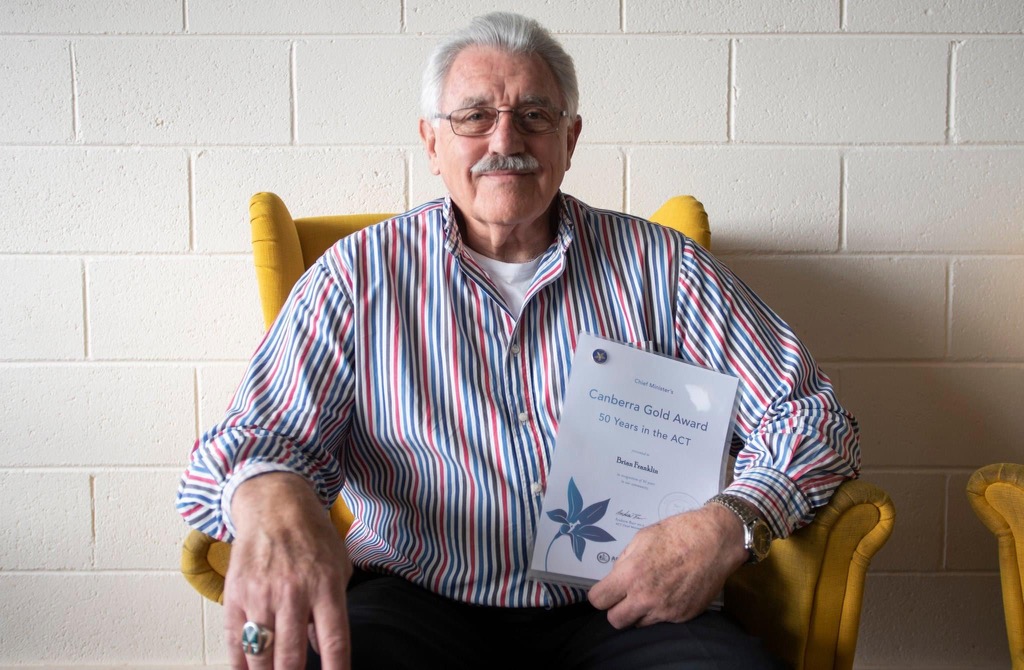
x=996, y=493
x=804, y=601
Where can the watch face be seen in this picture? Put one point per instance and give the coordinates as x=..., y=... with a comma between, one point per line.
x=761, y=540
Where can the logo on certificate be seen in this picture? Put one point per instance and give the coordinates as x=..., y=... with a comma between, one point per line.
x=676, y=503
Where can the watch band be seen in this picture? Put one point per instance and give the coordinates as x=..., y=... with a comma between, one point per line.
x=757, y=536
x=736, y=505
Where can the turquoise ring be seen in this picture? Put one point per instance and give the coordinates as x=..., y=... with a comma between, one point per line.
x=256, y=639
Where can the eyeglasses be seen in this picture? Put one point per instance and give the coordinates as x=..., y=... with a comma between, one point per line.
x=480, y=121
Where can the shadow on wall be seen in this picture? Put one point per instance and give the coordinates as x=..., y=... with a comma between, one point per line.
x=878, y=324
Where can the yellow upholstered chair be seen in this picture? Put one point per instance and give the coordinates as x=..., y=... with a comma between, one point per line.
x=804, y=601
x=997, y=494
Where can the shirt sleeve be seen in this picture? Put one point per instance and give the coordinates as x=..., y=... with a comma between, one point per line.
x=290, y=413
x=794, y=444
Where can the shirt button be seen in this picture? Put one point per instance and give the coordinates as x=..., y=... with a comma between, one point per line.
x=514, y=349
x=523, y=417
x=536, y=488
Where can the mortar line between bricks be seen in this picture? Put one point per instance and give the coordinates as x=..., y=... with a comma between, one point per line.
x=624, y=200
x=92, y=573
x=951, y=131
x=190, y=172
x=293, y=91
x=730, y=102
x=86, y=340
x=948, y=306
x=922, y=364
x=196, y=403
x=83, y=469
x=843, y=200
x=407, y=162
x=184, y=16
x=610, y=34
x=945, y=522
x=627, y=183
x=92, y=518
x=76, y=126
x=120, y=362
x=895, y=145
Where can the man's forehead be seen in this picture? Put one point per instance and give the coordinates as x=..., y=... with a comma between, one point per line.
x=525, y=99
x=479, y=75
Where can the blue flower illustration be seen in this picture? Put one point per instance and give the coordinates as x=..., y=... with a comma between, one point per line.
x=578, y=523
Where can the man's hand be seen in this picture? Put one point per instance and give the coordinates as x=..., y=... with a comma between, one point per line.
x=288, y=572
x=672, y=570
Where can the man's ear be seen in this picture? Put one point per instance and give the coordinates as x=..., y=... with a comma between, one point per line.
x=572, y=136
x=428, y=135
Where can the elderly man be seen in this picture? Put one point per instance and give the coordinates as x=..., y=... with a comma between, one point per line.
x=419, y=368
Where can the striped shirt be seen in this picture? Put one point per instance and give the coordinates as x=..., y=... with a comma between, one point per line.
x=397, y=371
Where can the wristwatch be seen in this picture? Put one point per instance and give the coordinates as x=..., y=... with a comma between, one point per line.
x=757, y=536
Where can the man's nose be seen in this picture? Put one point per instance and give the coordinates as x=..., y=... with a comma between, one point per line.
x=506, y=138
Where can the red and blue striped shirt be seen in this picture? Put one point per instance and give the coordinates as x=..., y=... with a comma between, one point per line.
x=396, y=375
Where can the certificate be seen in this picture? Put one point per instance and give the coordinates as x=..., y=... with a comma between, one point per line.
x=641, y=437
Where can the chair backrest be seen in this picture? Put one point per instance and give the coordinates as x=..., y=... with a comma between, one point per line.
x=283, y=247
x=996, y=493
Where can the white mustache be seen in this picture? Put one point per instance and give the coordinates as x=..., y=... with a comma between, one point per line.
x=498, y=163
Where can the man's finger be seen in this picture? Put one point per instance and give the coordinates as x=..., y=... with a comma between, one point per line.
x=234, y=619
x=625, y=614
x=330, y=621
x=289, y=649
x=607, y=592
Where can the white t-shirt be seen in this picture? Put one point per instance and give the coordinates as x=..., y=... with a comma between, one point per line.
x=512, y=279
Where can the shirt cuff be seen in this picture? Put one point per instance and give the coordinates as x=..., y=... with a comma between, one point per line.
x=783, y=504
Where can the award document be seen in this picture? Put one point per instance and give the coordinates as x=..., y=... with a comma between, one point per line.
x=641, y=437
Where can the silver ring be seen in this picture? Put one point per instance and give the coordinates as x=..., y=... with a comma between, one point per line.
x=256, y=639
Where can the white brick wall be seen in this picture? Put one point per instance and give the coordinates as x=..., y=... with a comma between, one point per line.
x=183, y=91
x=989, y=103
x=862, y=162
x=57, y=195
x=826, y=90
x=790, y=197
x=37, y=74
x=652, y=89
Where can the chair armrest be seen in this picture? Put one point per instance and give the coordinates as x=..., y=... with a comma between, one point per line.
x=804, y=600
x=204, y=562
x=996, y=492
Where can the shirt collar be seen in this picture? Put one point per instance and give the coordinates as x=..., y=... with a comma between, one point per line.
x=563, y=236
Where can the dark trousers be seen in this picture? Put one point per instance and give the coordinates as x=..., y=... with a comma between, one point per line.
x=396, y=624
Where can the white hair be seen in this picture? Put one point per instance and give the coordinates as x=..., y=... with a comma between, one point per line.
x=507, y=32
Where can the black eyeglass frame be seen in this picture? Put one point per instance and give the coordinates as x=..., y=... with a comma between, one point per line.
x=516, y=121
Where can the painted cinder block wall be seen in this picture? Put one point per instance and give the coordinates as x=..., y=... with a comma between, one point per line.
x=862, y=162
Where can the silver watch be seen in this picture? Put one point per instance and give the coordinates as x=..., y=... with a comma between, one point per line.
x=757, y=536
